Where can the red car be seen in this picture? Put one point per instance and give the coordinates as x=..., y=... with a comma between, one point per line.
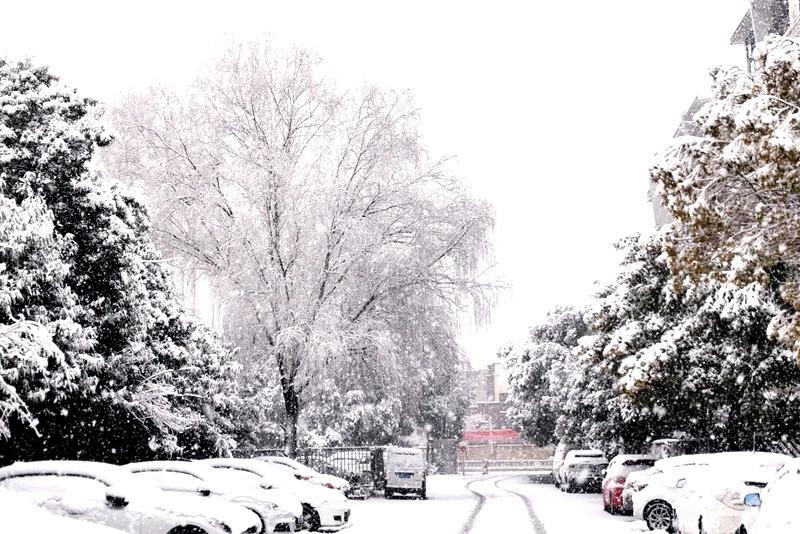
x=617, y=471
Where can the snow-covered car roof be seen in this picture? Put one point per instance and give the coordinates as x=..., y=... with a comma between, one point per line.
x=273, y=474
x=404, y=450
x=304, y=470
x=266, y=470
x=754, y=470
x=585, y=457
x=732, y=458
x=283, y=460
x=623, y=464
x=197, y=469
x=110, y=475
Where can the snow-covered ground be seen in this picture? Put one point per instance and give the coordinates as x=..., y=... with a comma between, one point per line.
x=510, y=503
x=448, y=506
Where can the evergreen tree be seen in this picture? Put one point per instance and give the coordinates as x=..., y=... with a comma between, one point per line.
x=696, y=363
x=734, y=187
x=151, y=379
x=540, y=371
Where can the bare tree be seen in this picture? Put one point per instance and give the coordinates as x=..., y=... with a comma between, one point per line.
x=316, y=212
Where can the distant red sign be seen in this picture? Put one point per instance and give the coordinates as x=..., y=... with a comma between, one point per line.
x=479, y=436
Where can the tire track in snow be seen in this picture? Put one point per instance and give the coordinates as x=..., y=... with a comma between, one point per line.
x=536, y=523
x=538, y=526
x=470, y=522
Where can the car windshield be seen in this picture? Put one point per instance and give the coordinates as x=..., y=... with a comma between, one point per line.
x=642, y=462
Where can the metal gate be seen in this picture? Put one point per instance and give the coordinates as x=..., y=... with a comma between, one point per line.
x=345, y=462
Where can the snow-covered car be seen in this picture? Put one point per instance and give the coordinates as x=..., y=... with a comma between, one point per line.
x=638, y=480
x=583, y=469
x=323, y=508
x=18, y=515
x=711, y=501
x=773, y=510
x=404, y=472
x=617, y=472
x=348, y=463
x=303, y=472
x=558, y=460
x=112, y=496
x=652, y=491
x=278, y=511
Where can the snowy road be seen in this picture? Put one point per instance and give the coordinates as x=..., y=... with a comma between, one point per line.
x=485, y=504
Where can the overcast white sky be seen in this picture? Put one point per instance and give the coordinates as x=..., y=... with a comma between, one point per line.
x=554, y=109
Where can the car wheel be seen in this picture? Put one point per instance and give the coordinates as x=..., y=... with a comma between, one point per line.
x=658, y=516
x=741, y=530
x=310, y=517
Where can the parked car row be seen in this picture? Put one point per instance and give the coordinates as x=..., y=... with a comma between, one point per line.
x=721, y=493
x=214, y=496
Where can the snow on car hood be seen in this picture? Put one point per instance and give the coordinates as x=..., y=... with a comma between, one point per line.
x=337, y=482
x=283, y=499
x=237, y=517
x=315, y=495
x=20, y=515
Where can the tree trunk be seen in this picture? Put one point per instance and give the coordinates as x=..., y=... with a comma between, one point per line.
x=291, y=435
x=291, y=402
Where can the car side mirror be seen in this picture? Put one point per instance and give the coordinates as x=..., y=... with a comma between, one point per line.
x=752, y=499
x=116, y=500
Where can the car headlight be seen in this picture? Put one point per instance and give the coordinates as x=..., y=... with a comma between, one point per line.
x=221, y=525
x=732, y=499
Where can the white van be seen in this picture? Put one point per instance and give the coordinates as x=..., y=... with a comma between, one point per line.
x=405, y=471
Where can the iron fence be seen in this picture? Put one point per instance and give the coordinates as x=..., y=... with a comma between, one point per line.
x=345, y=462
x=528, y=466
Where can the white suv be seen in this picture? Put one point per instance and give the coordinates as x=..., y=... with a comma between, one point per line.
x=653, y=491
x=711, y=501
x=773, y=510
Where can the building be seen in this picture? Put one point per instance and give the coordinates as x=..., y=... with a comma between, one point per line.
x=489, y=385
x=764, y=17
x=486, y=420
